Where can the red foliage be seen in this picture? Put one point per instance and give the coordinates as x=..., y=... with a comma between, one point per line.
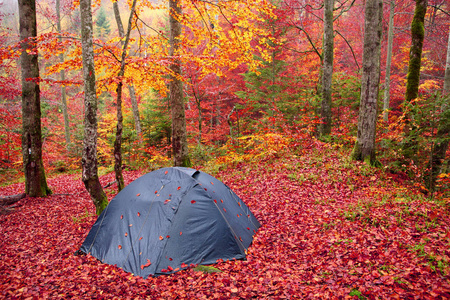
x=326, y=232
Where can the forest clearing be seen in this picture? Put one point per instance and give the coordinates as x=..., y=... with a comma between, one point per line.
x=330, y=119
x=330, y=229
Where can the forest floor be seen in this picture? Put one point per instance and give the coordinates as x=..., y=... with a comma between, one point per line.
x=330, y=230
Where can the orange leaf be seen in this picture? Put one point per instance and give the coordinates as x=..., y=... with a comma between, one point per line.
x=140, y=238
x=161, y=238
x=120, y=246
x=138, y=214
x=138, y=194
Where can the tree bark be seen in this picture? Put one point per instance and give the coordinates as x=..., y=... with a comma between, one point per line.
x=35, y=179
x=179, y=136
x=62, y=75
x=89, y=159
x=119, y=128
x=387, y=80
x=327, y=69
x=440, y=146
x=134, y=103
x=413, y=76
x=364, y=148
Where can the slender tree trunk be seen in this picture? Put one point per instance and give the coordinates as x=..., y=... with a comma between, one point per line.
x=179, y=136
x=413, y=76
x=89, y=159
x=35, y=180
x=440, y=146
x=327, y=68
x=364, y=148
x=119, y=128
x=134, y=103
x=62, y=75
x=387, y=80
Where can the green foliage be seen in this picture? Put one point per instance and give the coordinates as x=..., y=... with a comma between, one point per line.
x=102, y=24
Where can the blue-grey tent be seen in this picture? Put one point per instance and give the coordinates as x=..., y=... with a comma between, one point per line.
x=168, y=219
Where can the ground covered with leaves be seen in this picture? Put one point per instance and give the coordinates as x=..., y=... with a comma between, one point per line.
x=330, y=229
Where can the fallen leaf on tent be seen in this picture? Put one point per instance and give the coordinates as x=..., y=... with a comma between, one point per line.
x=138, y=214
x=121, y=217
x=215, y=201
x=156, y=192
x=138, y=194
x=168, y=236
x=120, y=246
x=140, y=238
x=167, y=201
x=181, y=232
x=166, y=172
x=146, y=265
x=161, y=238
x=193, y=201
x=212, y=183
x=170, y=268
x=126, y=234
x=225, y=209
x=178, y=188
x=183, y=265
x=221, y=200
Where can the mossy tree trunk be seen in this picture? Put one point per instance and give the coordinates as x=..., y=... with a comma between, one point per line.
x=179, y=136
x=327, y=69
x=35, y=179
x=364, y=148
x=413, y=76
x=440, y=146
x=89, y=159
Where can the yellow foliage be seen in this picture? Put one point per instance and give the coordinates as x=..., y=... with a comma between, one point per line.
x=254, y=148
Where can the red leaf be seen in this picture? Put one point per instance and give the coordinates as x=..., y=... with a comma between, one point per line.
x=170, y=268
x=193, y=201
x=166, y=172
x=161, y=238
x=167, y=201
x=120, y=246
x=168, y=236
x=121, y=217
x=138, y=194
x=126, y=234
x=138, y=214
x=225, y=209
x=181, y=232
x=215, y=201
x=183, y=265
x=140, y=238
x=178, y=188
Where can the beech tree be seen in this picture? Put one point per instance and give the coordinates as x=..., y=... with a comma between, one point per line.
x=387, y=80
x=131, y=89
x=62, y=75
x=327, y=68
x=440, y=146
x=89, y=159
x=35, y=179
x=413, y=76
x=119, y=128
x=179, y=136
x=364, y=148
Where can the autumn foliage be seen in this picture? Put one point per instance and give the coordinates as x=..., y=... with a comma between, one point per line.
x=329, y=229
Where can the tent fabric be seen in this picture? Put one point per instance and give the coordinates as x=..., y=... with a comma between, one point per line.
x=169, y=219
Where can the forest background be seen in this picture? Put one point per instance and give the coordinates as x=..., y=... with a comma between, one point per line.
x=254, y=96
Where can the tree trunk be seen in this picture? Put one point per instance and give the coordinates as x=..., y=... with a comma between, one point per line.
x=179, y=136
x=35, y=180
x=364, y=148
x=134, y=104
x=327, y=68
x=413, y=76
x=387, y=80
x=89, y=159
x=119, y=128
x=62, y=75
x=442, y=137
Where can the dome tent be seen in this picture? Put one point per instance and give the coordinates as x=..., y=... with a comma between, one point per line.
x=168, y=219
